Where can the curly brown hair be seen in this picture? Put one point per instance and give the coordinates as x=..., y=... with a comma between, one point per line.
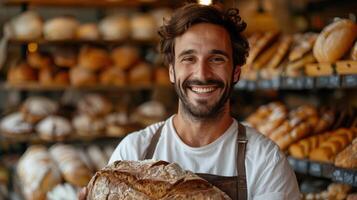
x=192, y=14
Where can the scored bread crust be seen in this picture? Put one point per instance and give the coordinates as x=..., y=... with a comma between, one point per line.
x=149, y=180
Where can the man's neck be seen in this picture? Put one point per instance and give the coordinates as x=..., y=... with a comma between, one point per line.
x=198, y=133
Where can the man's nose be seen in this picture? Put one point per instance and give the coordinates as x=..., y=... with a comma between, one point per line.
x=203, y=70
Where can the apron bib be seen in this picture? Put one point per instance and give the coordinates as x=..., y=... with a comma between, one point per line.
x=234, y=186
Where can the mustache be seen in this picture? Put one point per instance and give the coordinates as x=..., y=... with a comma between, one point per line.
x=188, y=83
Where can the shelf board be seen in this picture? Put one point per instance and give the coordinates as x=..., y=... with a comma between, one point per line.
x=37, y=87
x=300, y=83
x=324, y=170
x=81, y=42
x=91, y=3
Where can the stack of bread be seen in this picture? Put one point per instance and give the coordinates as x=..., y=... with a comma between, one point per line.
x=286, y=128
x=140, y=26
x=44, y=172
x=94, y=66
x=272, y=54
x=325, y=147
x=149, y=180
x=335, y=191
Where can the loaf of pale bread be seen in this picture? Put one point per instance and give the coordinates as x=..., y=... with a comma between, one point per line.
x=149, y=180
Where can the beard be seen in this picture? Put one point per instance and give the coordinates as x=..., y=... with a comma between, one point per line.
x=203, y=110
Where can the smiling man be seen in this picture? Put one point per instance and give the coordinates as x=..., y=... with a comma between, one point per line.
x=204, y=49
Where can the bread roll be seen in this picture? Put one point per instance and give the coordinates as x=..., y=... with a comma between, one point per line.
x=143, y=27
x=15, y=126
x=82, y=77
x=125, y=57
x=60, y=28
x=37, y=172
x=38, y=61
x=303, y=43
x=88, y=31
x=20, y=74
x=113, y=77
x=72, y=167
x=335, y=40
x=94, y=105
x=115, y=27
x=93, y=59
x=52, y=77
x=36, y=108
x=149, y=180
x=65, y=57
x=87, y=126
x=140, y=75
x=54, y=128
x=27, y=26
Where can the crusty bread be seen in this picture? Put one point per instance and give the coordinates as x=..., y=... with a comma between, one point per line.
x=37, y=172
x=335, y=40
x=149, y=180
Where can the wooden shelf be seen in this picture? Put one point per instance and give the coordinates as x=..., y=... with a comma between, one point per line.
x=324, y=170
x=300, y=83
x=82, y=42
x=37, y=87
x=91, y=3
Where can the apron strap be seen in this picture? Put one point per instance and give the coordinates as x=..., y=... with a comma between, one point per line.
x=241, y=175
x=154, y=140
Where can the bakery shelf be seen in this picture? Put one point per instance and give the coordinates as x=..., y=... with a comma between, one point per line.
x=324, y=170
x=91, y=3
x=37, y=87
x=300, y=83
x=81, y=42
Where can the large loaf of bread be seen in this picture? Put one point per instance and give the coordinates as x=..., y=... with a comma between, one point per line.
x=38, y=173
x=149, y=180
x=73, y=168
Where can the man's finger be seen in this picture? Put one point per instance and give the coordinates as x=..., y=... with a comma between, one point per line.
x=82, y=194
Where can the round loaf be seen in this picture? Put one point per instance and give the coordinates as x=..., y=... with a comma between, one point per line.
x=60, y=28
x=82, y=77
x=144, y=180
x=36, y=108
x=335, y=40
x=95, y=105
x=14, y=125
x=93, y=59
x=22, y=73
x=115, y=27
x=54, y=128
x=27, y=26
x=125, y=57
x=88, y=31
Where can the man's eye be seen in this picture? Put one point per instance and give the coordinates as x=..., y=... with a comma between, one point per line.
x=218, y=60
x=187, y=59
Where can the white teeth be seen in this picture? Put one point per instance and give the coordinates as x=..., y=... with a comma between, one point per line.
x=202, y=90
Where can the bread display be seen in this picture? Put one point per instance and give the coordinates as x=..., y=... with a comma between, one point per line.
x=115, y=27
x=72, y=168
x=335, y=40
x=93, y=59
x=36, y=108
x=149, y=180
x=54, y=128
x=348, y=157
x=26, y=26
x=88, y=31
x=60, y=28
x=38, y=173
x=335, y=191
x=21, y=74
x=14, y=125
x=303, y=43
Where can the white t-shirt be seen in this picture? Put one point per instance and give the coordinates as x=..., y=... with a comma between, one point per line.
x=269, y=175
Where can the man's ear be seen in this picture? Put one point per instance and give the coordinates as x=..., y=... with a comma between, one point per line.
x=236, y=74
x=172, y=73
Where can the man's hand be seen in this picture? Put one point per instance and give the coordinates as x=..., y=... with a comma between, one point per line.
x=82, y=195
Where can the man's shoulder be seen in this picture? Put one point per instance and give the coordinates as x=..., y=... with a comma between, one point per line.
x=261, y=147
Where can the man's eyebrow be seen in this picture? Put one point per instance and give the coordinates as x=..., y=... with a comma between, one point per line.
x=186, y=52
x=217, y=51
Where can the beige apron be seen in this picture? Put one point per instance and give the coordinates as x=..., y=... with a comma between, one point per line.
x=233, y=186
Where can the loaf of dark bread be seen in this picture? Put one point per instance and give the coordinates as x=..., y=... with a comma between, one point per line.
x=149, y=180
